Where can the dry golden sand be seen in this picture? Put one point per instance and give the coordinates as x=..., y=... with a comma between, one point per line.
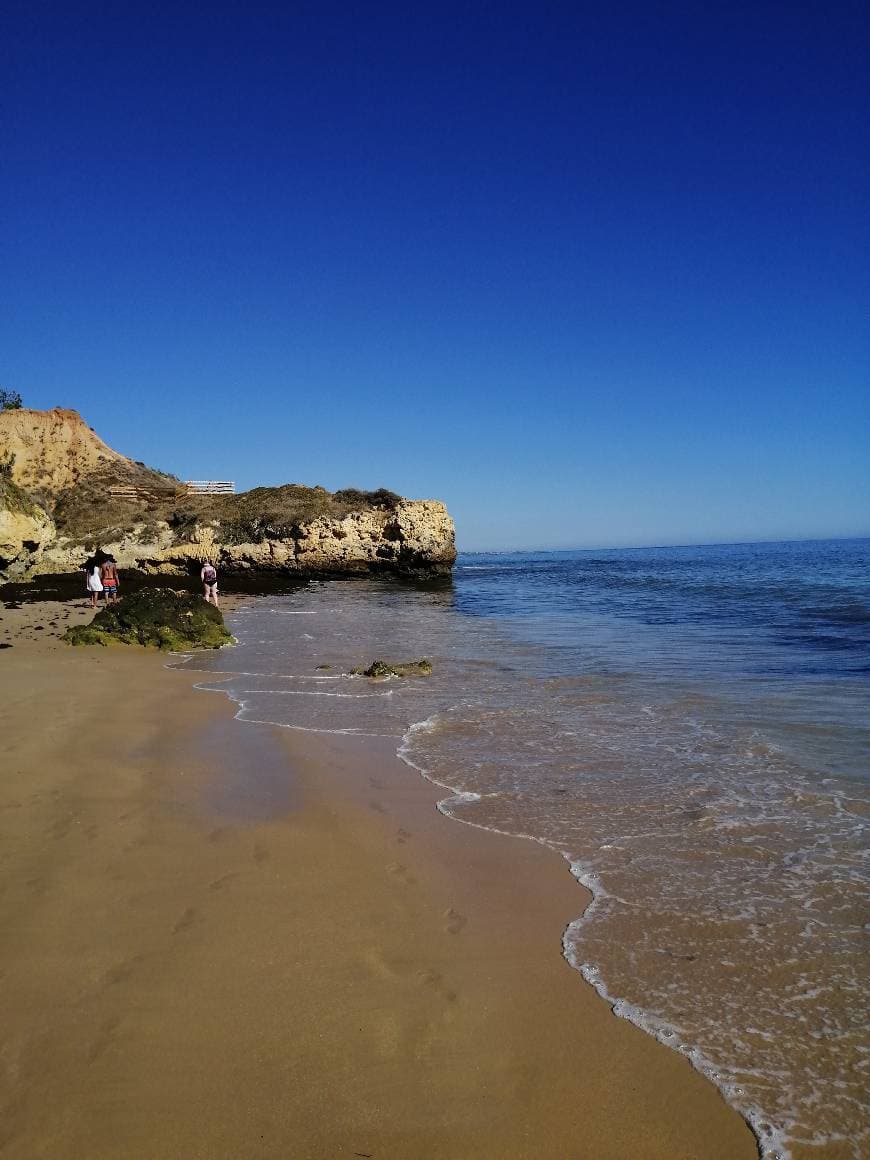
x=226, y=941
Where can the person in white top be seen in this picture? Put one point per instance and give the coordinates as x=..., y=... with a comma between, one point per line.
x=95, y=584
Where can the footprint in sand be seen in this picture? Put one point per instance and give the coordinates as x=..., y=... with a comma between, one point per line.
x=401, y=872
x=402, y=836
x=220, y=883
x=186, y=921
x=435, y=982
x=389, y=1036
x=105, y=1035
x=121, y=972
x=377, y=807
x=61, y=827
x=428, y=978
x=399, y=971
x=380, y=967
x=261, y=854
x=455, y=921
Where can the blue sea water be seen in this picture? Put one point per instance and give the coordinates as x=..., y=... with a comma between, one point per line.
x=689, y=729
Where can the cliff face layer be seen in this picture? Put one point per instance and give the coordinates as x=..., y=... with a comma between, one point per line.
x=52, y=450
x=93, y=498
x=412, y=536
x=25, y=528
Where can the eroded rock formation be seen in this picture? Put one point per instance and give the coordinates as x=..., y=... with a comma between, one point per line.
x=26, y=529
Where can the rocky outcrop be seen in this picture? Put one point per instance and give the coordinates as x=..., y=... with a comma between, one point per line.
x=416, y=536
x=378, y=669
x=145, y=519
x=155, y=618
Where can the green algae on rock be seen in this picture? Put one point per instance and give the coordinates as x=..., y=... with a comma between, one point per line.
x=421, y=668
x=156, y=618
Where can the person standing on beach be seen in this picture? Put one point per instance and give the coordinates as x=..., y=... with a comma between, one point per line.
x=94, y=583
x=208, y=576
x=109, y=579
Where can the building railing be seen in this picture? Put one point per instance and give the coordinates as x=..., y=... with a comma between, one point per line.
x=210, y=487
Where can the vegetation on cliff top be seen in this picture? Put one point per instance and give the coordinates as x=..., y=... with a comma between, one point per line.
x=275, y=512
x=115, y=498
x=10, y=400
x=111, y=501
x=157, y=618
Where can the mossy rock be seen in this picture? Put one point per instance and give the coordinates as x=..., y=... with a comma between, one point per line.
x=421, y=668
x=156, y=618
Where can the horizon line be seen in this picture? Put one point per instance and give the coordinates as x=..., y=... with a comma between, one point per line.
x=654, y=547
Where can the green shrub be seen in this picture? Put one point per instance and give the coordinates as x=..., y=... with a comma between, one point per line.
x=355, y=498
x=10, y=401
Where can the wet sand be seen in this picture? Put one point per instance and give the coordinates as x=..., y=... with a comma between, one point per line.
x=223, y=940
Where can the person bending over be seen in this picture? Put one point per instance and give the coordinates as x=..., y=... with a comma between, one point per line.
x=208, y=576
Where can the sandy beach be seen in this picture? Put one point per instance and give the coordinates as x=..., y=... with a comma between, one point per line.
x=223, y=940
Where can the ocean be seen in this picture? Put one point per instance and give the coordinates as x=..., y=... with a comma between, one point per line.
x=688, y=727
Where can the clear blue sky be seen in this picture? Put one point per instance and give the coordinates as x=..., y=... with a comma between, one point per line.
x=591, y=273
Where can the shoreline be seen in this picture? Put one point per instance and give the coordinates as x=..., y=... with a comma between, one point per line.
x=621, y=1008
x=272, y=945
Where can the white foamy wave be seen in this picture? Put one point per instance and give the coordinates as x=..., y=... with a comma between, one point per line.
x=312, y=693
x=772, y=1142
x=240, y=716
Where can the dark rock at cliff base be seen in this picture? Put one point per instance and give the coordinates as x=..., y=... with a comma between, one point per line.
x=156, y=618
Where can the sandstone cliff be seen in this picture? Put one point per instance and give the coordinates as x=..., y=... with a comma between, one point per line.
x=25, y=529
x=91, y=497
x=52, y=450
